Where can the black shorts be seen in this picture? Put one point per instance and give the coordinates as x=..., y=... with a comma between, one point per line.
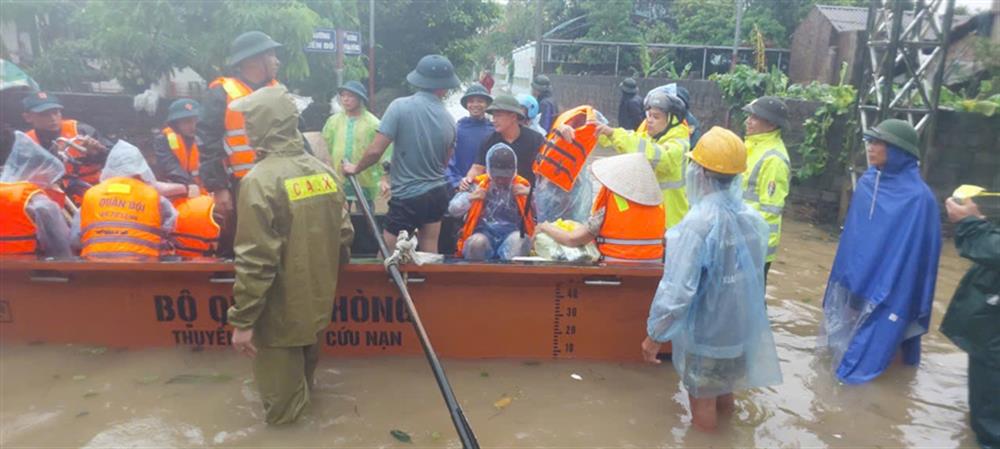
x=412, y=213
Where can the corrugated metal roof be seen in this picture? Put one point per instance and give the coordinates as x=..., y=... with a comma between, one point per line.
x=845, y=18
x=852, y=18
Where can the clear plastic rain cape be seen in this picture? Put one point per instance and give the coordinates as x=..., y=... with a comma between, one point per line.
x=29, y=162
x=710, y=301
x=126, y=161
x=500, y=216
x=552, y=202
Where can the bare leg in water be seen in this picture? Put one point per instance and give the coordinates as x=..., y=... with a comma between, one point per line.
x=704, y=415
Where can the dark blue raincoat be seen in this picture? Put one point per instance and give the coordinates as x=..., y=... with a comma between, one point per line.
x=881, y=286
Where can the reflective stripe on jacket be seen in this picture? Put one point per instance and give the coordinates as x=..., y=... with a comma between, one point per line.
x=765, y=183
x=120, y=220
x=196, y=233
x=89, y=173
x=631, y=231
x=241, y=155
x=18, y=233
x=187, y=156
x=560, y=160
x=472, y=218
x=667, y=156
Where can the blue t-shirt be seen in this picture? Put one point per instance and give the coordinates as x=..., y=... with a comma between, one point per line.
x=422, y=132
x=470, y=137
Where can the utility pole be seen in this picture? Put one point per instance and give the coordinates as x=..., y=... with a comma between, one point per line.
x=539, y=65
x=736, y=39
x=371, y=55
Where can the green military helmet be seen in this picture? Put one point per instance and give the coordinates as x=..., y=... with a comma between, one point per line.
x=542, y=83
x=771, y=109
x=476, y=90
x=433, y=72
x=629, y=86
x=898, y=133
x=251, y=43
x=506, y=103
x=356, y=88
x=183, y=108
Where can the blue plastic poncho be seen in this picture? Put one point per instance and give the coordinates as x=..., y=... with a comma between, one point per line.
x=881, y=285
x=710, y=301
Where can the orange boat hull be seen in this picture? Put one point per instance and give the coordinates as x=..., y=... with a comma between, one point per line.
x=469, y=310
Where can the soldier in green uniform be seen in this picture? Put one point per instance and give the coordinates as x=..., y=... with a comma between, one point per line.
x=287, y=258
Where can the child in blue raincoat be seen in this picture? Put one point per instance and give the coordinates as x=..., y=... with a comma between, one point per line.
x=710, y=301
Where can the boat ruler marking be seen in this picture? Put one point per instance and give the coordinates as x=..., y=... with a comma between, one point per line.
x=564, y=319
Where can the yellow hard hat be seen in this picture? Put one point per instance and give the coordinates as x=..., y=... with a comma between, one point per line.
x=721, y=151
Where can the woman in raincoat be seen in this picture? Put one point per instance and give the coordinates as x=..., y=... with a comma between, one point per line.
x=973, y=318
x=710, y=301
x=878, y=298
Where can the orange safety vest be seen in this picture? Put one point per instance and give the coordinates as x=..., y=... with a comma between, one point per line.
x=89, y=173
x=241, y=156
x=17, y=234
x=196, y=233
x=188, y=157
x=631, y=231
x=472, y=219
x=120, y=220
x=560, y=160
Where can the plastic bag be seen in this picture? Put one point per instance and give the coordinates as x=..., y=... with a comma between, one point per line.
x=545, y=246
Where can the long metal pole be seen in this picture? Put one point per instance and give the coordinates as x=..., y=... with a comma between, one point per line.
x=736, y=39
x=371, y=54
x=457, y=416
x=539, y=65
x=930, y=152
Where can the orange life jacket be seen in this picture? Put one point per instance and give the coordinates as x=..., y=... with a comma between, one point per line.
x=560, y=160
x=472, y=218
x=196, y=233
x=17, y=234
x=89, y=173
x=188, y=157
x=241, y=155
x=120, y=220
x=631, y=231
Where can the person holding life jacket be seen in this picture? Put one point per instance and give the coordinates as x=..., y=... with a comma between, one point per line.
x=663, y=143
x=495, y=210
x=225, y=153
x=176, y=148
x=33, y=223
x=43, y=112
x=627, y=220
x=124, y=217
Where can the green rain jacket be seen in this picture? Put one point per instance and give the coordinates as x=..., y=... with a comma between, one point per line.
x=973, y=318
x=667, y=155
x=765, y=183
x=293, y=231
x=348, y=138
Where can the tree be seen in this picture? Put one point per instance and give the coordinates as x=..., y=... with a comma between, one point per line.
x=406, y=30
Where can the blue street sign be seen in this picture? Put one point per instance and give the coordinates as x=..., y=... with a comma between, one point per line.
x=352, y=43
x=324, y=41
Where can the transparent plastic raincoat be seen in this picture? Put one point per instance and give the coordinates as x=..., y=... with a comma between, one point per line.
x=710, y=301
x=500, y=219
x=126, y=161
x=29, y=162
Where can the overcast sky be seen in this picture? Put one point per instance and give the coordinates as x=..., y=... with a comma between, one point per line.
x=975, y=5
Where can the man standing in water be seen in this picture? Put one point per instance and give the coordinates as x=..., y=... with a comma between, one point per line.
x=292, y=234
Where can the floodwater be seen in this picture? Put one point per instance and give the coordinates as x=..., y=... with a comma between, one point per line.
x=72, y=396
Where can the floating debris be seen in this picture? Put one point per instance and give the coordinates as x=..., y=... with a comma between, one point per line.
x=484, y=374
x=436, y=436
x=90, y=394
x=576, y=376
x=401, y=436
x=503, y=402
x=82, y=414
x=214, y=378
x=531, y=363
x=146, y=380
x=79, y=377
x=96, y=350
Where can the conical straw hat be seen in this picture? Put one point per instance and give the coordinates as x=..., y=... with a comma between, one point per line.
x=630, y=176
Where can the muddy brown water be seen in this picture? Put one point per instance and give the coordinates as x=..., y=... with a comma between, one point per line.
x=76, y=396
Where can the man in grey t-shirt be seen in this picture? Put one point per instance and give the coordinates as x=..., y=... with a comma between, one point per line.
x=423, y=134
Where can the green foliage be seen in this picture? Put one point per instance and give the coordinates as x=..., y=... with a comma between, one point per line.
x=406, y=30
x=744, y=84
